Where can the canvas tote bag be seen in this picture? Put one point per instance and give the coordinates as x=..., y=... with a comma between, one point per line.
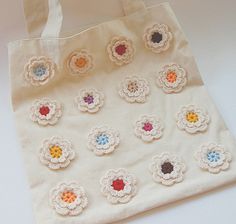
x=114, y=120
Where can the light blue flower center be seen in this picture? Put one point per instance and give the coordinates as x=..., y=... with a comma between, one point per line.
x=102, y=139
x=40, y=70
x=213, y=156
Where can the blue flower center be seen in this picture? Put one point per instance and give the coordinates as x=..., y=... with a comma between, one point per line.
x=102, y=139
x=40, y=70
x=213, y=156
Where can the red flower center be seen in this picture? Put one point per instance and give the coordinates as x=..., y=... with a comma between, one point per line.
x=120, y=49
x=44, y=110
x=118, y=185
x=147, y=126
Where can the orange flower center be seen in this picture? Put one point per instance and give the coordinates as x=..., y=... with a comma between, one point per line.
x=192, y=117
x=80, y=62
x=68, y=196
x=55, y=151
x=171, y=77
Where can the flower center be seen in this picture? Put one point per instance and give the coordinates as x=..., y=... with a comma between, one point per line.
x=133, y=87
x=156, y=37
x=55, y=151
x=88, y=99
x=80, y=62
x=118, y=185
x=120, y=49
x=171, y=77
x=102, y=139
x=147, y=126
x=167, y=167
x=44, y=110
x=192, y=117
x=39, y=70
x=68, y=197
x=213, y=156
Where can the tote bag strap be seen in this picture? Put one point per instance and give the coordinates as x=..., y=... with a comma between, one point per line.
x=44, y=17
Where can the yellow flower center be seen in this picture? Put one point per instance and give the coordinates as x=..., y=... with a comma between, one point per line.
x=171, y=77
x=68, y=196
x=80, y=62
x=192, y=117
x=55, y=151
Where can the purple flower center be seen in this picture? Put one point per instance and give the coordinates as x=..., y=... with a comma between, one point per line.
x=88, y=99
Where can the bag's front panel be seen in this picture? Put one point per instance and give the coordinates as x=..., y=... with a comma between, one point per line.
x=133, y=151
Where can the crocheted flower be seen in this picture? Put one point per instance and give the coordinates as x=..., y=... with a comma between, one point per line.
x=120, y=50
x=167, y=169
x=103, y=140
x=118, y=186
x=80, y=62
x=134, y=89
x=148, y=128
x=192, y=119
x=172, y=78
x=56, y=153
x=45, y=112
x=213, y=157
x=68, y=199
x=39, y=70
x=90, y=100
x=157, y=38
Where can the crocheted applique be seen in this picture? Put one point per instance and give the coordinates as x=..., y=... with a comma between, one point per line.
x=167, y=169
x=121, y=50
x=103, y=140
x=80, y=62
x=90, y=100
x=45, y=112
x=192, y=119
x=157, y=38
x=172, y=78
x=39, y=70
x=56, y=153
x=68, y=199
x=134, y=89
x=148, y=128
x=213, y=157
x=118, y=186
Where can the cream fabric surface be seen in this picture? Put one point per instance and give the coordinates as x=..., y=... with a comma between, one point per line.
x=132, y=154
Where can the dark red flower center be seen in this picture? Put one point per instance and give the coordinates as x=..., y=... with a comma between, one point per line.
x=147, y=126
x=44, y=110
x=120, y=49
x=118, y=185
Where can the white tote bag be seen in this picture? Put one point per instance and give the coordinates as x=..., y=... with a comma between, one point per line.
x=114, y=120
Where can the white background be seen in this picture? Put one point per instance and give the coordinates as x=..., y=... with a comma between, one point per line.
x=210, y=26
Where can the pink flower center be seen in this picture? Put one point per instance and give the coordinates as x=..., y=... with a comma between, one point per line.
x=118, y=185
x=120, y=49
x=147, y=126
x=44, y=110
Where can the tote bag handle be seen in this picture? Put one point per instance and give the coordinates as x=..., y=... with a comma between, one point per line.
x=44, y=17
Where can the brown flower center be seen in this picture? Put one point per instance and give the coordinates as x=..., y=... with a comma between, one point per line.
x=167, y=167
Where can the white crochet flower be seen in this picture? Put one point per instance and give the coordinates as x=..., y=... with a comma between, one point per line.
x=192, y=119
x=79, y=62
x=118, y=186
x=103, y=140
x=45, y=112
x=68, y=199
x=120, y=50
x=90, y=100
x=148, y=128
x=56, y=153
x=157, y=38
x=39, y=70
x=167, y=169
x=134, y=89
x=213, y=157
x=172, y=78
